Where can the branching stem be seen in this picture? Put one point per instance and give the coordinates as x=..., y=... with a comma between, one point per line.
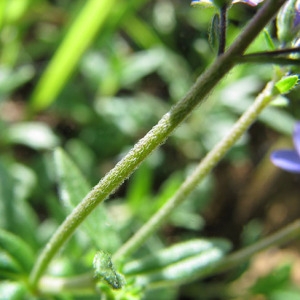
x=156, y=136
x=204, y=168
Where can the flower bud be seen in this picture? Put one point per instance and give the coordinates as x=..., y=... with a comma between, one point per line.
x=288, y=22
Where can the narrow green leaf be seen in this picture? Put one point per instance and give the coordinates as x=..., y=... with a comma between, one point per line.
x=12, y=79
x=73, y=188
x=77, y=40
x=16, y=214
x=17, y=249
x=157, y=262
x=8, y=266
x=32, y=134
x=286, y=84
x=141, y=32
x=269, y=40
x=181, y=263
x=214, y=32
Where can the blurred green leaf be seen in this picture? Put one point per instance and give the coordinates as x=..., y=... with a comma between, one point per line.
x=11, y=79
x=10, y=290
x=140, y=31
x=16, y=215
x=73, y=188
x=35, y=135
x=139, y=189
x=278, y=279
x=9, y=267
x=269, y=40
x=18, y=249
x=179, y=263
x=15, y=9
x=84, y=29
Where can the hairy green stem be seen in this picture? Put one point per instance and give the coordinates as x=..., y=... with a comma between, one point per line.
x=155, y=137
x=205, y=166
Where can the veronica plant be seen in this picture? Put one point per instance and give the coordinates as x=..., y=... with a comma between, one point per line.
x=117, y=275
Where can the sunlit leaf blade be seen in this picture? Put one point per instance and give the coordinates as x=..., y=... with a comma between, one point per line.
x=179, y=263
x=77, y=40
x=269, y=40
x=286, y=84
x=12, y=290
x=17, y=249
x=35, y=135
x=73, y=188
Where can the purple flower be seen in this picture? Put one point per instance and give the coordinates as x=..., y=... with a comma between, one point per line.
x=297, y=14
x=289, y=159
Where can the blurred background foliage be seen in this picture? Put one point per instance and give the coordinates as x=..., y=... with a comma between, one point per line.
x=93, y=77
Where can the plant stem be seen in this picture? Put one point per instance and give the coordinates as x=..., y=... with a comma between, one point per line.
x=285, y=235
x=222, y=29
x=205, y=166
x=274, y=53
x=154, y=138
x=282, y=61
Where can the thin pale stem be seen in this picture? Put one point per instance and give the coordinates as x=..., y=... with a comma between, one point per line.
x=204, y=168
x=159, y=133
x=281, y=237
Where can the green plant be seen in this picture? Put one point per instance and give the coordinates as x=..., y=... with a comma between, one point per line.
x=114, y=234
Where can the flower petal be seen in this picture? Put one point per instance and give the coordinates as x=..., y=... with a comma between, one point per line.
x=297, y=14
x=296, y=137
x=288, y=160
x=250, y=2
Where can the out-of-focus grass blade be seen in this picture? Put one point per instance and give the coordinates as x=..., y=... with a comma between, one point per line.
x=15, y=9
x=79, y=37
x=141, y=32
x=17, y=249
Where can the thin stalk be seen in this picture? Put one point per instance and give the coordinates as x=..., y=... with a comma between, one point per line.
x=203, y=169
x=222, y=29
x=281, y=237
x=281, y=61
x=154, y=138
x=274, y=53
